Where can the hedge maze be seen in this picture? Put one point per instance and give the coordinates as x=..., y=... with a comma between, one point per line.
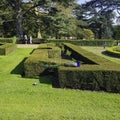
x=95, y=72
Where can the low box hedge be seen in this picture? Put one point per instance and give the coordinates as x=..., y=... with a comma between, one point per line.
x=113, y=51
x=96, y=42
x=52, y=50
x=91, y=79
x=104, y=75
x=7, y=48
x=8, y=40
x=101, y=75
x=83, y=55
x=41, y=60
x=38, y=41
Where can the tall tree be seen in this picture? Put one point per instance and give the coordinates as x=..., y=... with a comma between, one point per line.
x=6, y=20
x=116, y=29
x=19, y=11
x=100, y=14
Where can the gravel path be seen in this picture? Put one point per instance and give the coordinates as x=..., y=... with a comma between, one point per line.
x=27, y=45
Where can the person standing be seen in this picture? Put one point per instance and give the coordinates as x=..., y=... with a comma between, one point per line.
x=25, y=38
x=30, y=39
x=104, y=45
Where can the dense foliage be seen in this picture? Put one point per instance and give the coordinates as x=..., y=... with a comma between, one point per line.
x=58, y=19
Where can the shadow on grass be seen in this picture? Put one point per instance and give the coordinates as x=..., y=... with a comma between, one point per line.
x=19, y=69
x=49, y=77
x=32, y=51
x=109, y=55
x=50, y=80
x=45, y=79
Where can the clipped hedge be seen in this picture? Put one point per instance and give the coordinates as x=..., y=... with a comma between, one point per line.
x=96, y=42
x=95, y=80
x=52, y=50
x=8, y=40
x=38, y=40
x=83, y=55
x=7, y=48
x=96, y=73
x=113, y=51
x=103, y=75
x=43, y=59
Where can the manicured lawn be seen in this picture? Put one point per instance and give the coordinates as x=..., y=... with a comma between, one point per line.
x=20, y=100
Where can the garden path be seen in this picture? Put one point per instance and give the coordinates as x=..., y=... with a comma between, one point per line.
x=27, y=45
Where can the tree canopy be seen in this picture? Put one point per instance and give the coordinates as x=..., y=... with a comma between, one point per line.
x=100, y=15
x=58, y=18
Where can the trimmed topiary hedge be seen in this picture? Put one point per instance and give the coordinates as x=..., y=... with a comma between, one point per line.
x=90, y=79
x=103, y=75
x=83, y=55
x=99, y=42
x=95, y=72
x=41, y=60
x=38, y=40
x=113, y=51
x=8, y=40
x=7, y=48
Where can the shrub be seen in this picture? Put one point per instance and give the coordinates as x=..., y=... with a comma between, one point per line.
x=88, y=34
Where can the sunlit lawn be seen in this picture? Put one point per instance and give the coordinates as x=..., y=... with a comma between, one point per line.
x=20, y=100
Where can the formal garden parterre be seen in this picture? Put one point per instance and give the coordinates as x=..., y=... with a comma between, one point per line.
x=95, y=72
x=41, y=101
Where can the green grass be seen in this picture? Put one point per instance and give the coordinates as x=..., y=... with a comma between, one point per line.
x=20, y=100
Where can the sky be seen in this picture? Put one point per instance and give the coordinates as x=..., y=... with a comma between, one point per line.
x=82, y=1
x=79, y=1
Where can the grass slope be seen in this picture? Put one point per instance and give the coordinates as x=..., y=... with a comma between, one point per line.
x=20, y=100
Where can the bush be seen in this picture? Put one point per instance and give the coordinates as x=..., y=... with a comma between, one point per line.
x=88, y=34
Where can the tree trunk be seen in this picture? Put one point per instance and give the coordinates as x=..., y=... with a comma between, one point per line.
x=19, y=29
x=19, y=17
